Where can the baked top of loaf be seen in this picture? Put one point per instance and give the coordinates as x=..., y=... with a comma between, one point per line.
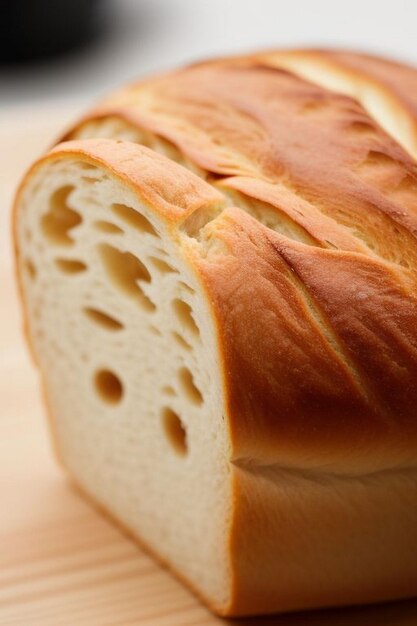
x=317, y=285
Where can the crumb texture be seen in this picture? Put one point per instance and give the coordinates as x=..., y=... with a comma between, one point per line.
x=125, y=342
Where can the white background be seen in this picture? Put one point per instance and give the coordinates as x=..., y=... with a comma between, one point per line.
x=144, y=36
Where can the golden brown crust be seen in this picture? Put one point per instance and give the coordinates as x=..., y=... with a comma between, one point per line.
x=158, y=181
x=269, y=125
x=319, y=346
x=304, y=538
x=318, y=159
x=316, y=314
x=385, y=88
x=398, y=79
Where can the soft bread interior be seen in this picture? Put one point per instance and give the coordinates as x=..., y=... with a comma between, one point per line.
x=125, y=341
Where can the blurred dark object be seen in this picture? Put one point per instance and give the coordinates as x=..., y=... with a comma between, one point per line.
x=38, y=29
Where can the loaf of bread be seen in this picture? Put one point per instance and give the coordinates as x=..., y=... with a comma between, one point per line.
x=225, y=322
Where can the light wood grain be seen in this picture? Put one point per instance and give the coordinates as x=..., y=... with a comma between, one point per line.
x=61, y=563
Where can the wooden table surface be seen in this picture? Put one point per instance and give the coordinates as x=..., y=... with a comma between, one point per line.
x=61, y=563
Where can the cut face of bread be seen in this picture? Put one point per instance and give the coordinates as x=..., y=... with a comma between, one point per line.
x=126, y=345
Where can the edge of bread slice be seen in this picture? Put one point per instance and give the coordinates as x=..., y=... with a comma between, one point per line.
x=123, y=334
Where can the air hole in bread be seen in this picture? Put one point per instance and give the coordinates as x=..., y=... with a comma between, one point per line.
x=189, y=387
x=30, y=268
x=154, y=330
x=175, y=431
x=125, y=271
x=194, y=223
x=86, y=167
x=161, y=252
x=168, y=390
x=162, y=266
x=107, y=227
x=186, y=287
x=103, y=319
x=109, y=386
x=70, y=266
x=183, y=312
x=133, y=218
x=60, y=218
x=181, y=341
x=89, y=180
